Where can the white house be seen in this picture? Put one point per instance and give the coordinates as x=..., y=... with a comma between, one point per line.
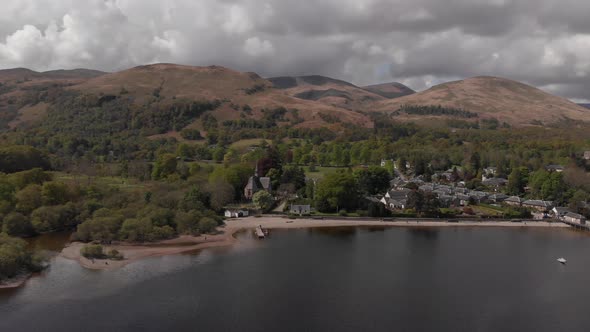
x=575, y=218
x=236, y=213
x=300, y=209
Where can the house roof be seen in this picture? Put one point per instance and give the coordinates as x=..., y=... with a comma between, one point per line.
x=561, y=210
x=494, y=182
x=535, y=202
x=575, y=216
x=514, y=199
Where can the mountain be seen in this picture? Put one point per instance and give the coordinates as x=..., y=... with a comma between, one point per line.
x=485, y=97
x=236, y=91
x=163, y=99
x=25, y=95
x=390, y=90
x=329, y=91
x=20, y=89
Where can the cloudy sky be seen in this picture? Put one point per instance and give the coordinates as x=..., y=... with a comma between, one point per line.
x=417, y=42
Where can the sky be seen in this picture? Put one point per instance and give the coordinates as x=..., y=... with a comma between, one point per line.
x=420, y=43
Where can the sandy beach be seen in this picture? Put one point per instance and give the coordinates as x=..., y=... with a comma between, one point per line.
x=226, y=237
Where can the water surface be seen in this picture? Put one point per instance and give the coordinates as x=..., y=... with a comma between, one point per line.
x=346, y=279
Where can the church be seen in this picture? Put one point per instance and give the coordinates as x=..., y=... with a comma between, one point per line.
x=255, y=184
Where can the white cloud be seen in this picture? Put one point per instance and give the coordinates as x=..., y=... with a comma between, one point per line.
x=256, y=47
x=543, y=42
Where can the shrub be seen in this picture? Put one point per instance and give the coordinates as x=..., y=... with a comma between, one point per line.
x=92, y=251
x=207, y=225
x=114, y=254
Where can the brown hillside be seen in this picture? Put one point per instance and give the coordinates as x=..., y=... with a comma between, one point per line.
x=327, y=91
x=491, y=97
x=390, y=90
x=20, y=88
x=235, y=89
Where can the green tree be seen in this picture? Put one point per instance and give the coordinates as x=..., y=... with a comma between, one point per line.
x=15, y=257
x=373, y=180
x=54, y=193
x=136, y=230
x=263, y=200
x=29, y=199
x=164, y=166
x=337, y=191
x=207, y=225
x=187, y=222
x=517, y=180
x=16, y=224
x=222, y=193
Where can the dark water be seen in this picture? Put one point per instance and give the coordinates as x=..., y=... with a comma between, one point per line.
x=447, y=279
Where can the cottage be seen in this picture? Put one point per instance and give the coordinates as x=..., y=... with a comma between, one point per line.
x=497, y=198
x=514, y=201
x=495, y=183
x=539, y=215
x=575, y=218
x=559, y=212
x=236, y=213
x=300, y=209
x=398, y=194
x=538, y=205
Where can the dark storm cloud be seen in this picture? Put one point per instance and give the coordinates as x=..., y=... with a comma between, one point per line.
x=420, y=42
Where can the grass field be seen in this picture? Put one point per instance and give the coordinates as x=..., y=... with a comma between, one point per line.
x=321, y=171
x=487, y=210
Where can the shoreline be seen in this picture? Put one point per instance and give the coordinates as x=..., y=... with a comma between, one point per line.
x=186, y=243
x=15, y=282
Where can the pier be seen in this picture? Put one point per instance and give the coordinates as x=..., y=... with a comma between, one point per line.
x=260, y=232
x=583, y=227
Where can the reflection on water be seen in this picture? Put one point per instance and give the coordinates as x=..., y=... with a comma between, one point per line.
x=49, y=242
x=336, y=279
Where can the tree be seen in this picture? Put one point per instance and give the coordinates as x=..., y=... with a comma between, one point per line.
x=164, y=166
x=136, y=230
x=15, y=224
x=15, y=257
x=21, y=158
x=222, y=193
x=263, y=200
x=373, y=180
x=517, y=180
x=207, y=225
x=45, y=219
x=337, y=191
x=54, y=193
x=187, y=222
x=29, y=198
x=475, y=162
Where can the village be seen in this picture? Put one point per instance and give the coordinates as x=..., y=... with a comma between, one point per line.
x=454, y=196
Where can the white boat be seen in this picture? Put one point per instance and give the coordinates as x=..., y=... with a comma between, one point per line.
x=562, y=260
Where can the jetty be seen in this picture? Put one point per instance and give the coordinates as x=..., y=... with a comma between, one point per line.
x=583, y=227
x=260, y=232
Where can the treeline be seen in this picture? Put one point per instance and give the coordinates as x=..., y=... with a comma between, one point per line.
x=16, y=258
x=33, y=202
x=435, y=110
